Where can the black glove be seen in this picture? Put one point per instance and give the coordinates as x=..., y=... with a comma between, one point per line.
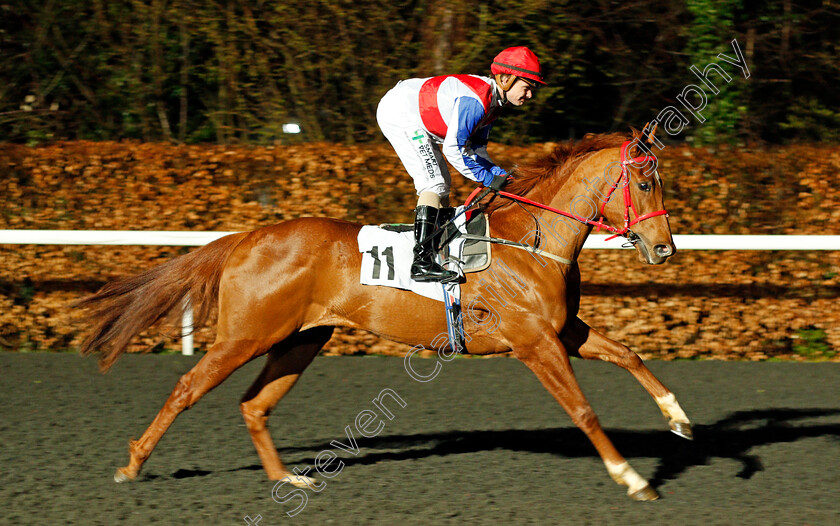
x=499, y=182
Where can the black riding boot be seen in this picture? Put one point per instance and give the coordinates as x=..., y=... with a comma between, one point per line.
x=424, y=267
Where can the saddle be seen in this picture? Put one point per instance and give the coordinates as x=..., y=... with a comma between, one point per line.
x=476, y=255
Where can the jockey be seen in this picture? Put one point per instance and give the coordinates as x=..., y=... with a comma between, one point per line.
x=454, y=113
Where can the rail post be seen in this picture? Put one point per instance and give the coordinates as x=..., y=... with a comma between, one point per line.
x=187, y=328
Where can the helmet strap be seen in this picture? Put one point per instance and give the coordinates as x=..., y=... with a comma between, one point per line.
x=505, y=80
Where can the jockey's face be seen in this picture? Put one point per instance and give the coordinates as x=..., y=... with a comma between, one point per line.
x=520, y=92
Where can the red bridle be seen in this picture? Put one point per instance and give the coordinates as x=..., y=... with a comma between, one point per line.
x=623, y=178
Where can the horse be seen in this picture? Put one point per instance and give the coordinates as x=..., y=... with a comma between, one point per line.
x=281, y=290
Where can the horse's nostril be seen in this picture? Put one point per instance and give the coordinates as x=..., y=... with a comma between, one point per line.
x=662, y=251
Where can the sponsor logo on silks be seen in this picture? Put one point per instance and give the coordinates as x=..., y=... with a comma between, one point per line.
x=424, y=148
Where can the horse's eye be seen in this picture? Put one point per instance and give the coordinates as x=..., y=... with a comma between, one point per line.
x=645, y=187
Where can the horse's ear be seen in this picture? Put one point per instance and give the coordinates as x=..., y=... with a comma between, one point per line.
x=634, y=150
x=640, y=138
x=648, y=132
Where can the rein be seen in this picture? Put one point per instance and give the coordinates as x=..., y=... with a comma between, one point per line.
x=521, y=246
x=623, y=179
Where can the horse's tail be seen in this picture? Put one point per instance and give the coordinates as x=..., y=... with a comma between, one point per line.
x=124, y=308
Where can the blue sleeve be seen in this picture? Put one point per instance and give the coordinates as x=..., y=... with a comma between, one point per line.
x=478, y=167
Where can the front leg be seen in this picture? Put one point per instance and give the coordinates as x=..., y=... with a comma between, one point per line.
x=546, y=356
x=582, y=340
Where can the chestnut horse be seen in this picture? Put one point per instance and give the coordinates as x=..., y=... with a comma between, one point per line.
x=281, y=290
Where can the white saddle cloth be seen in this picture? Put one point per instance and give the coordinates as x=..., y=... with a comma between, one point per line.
x=387, y=258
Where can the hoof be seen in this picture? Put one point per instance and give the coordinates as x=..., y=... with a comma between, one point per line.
x=120, y=476
x=682, y=429
x=645, y=494
x=301, y=481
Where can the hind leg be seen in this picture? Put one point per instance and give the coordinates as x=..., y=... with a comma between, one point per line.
x=286, y=362
x=579, y=338
x=220, y=361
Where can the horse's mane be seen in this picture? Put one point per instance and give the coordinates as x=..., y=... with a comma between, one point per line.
x=558, y=165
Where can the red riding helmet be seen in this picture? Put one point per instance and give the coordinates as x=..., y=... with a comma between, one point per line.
x=520, y=62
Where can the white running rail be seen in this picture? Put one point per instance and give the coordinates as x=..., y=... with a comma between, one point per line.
x=191, y=239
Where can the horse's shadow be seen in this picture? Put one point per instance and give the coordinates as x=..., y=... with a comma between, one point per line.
x=732, y=437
